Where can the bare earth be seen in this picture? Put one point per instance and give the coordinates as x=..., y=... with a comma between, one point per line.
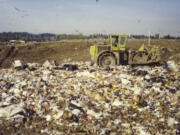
x=77, y=50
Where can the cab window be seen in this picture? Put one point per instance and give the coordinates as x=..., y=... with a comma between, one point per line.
x=122, y=42
x=114, y=40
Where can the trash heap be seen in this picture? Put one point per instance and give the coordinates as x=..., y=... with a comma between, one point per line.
x=78, y=98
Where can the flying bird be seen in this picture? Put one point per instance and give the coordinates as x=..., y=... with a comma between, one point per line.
x=20, y=10
x=24, y=16
x=139, y=21
x=97, y=0
x=17, y=9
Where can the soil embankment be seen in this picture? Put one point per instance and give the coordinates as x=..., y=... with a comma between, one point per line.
x=77, y=50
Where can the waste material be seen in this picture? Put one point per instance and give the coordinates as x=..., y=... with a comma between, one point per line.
x=78, y=98
x=18, y=64
x=50, y=64
x=11, y=110
x=70, y=67
x=172, y=66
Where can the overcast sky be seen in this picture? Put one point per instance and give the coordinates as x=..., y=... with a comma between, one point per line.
x=89, y=16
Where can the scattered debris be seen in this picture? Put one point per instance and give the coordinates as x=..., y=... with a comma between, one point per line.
x=18, y=64
x=70, y=67
x=84, y=99
x=11, y=110
x=172, y=66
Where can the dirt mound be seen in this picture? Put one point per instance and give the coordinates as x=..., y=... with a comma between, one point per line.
x=77, y=50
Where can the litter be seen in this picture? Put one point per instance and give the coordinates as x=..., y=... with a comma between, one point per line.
x=172, y=66
x=18, y=64
x=11, y=110
x=70, y=67
x=77, y=98
x=47, y=64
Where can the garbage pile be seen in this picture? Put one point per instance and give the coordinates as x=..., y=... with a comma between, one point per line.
x=78, y=98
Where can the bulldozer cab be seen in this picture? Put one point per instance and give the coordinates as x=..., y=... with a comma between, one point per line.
x=118, y=42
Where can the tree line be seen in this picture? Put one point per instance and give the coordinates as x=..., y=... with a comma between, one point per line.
x=7, y=36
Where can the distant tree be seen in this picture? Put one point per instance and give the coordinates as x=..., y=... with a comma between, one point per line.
x=177, y=37
x=157, y=36
x=168, y=37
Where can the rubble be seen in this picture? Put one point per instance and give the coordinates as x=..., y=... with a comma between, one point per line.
x=9, y=111
x=78, y=98
x=172, y=66
x=18, y=64
x=49, y=64
x=70, y=67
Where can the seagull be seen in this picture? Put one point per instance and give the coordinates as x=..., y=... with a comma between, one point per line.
x=17, y=9
x=139, y=21
x=20, y=10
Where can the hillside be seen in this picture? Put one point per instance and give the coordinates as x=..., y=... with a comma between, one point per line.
x=77, y=50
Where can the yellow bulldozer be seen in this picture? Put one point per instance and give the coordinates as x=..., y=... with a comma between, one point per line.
x=116, y=53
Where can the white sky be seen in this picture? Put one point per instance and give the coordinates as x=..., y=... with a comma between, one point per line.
x=89, y=16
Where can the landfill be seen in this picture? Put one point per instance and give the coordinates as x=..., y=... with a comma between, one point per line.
x=83, y=99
